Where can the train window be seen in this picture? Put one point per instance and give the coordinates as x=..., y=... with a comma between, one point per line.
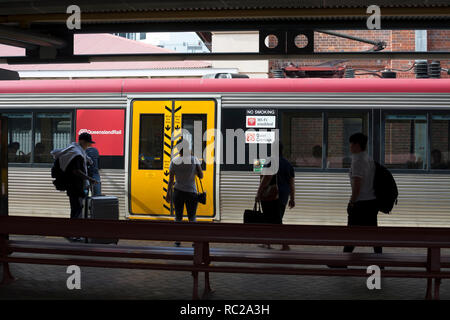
x=52, y=131
x=340, y=128
x=302, y=138
x=192, y=123
x=151, y=141
x=405, y=141
x=19, y=137
x=440, y=142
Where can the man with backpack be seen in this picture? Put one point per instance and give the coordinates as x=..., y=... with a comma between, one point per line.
x=72, y=162
x=363, y=208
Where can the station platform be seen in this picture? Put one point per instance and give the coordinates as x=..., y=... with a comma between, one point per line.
x=46, y=282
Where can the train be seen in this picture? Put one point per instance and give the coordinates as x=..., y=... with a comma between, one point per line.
x=135, y=123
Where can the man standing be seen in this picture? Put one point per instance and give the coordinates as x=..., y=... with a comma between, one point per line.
x=362, y=209
x=93, y=172
x=73, y=162
x=286, y=186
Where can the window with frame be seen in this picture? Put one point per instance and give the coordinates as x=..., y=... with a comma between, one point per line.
x=151, y=141
x=405, y=141
x=302, y=138
x=53, y=130
x=193, y=123
x=440, y=142
x=19, y=136
x=32, y=135
x=340, y=127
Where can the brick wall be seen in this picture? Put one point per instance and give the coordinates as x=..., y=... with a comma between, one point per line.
x=439, y=40
x=396, y=40
x=403, y=40
x=397, y=143
x=306, y=133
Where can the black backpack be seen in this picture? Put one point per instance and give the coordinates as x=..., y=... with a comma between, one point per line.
x=385, y=187
x=60, y=181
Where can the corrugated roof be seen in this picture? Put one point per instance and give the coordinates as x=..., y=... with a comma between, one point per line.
x=8, y=7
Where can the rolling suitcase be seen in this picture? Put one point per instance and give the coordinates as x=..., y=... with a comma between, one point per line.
x=102, y=207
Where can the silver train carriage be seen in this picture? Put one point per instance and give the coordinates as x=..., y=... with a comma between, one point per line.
x=136, y=122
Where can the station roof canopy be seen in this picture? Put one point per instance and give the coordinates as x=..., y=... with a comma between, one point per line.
x=43, y=24
x=190, y=15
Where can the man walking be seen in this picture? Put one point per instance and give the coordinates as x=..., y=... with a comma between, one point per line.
x=362, y=209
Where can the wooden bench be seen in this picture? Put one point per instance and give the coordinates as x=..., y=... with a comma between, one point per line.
x=206, y=258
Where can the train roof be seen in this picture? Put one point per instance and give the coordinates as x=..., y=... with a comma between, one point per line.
x=125, y=86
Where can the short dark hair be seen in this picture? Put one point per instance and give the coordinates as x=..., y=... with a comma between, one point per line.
x=359, y=138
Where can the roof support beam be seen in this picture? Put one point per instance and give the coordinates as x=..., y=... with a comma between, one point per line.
x=234, y=56
x=233, y=15
x=28, y=37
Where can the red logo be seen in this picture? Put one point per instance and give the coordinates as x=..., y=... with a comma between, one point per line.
x=107, y=128
x=251, y=137
x=251, y=122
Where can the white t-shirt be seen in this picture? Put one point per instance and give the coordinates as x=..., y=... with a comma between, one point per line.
x=364, y=168
x=185, y=172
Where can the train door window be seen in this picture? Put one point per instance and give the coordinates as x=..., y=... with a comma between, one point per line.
x=52, y=131
x=440, y=142
x=405, y=141
x=195, y=124
x=151, y=141
x=19, y=137
x=302, y=138
x=340, y=128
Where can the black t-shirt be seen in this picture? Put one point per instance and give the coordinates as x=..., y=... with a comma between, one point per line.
x=284, y=175
x=75, y=183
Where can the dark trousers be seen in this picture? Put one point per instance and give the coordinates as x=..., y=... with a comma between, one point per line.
x=182, y=198
x=282, y=210
x=76, y=206
x=271, y=211
x=363, y=213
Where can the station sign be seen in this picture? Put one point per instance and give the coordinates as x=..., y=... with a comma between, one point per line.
x=107, y=127
x=260, y=118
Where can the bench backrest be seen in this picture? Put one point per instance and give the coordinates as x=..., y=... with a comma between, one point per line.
x=229, y=232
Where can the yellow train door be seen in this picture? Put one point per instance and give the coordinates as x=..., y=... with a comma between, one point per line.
x=156, y=128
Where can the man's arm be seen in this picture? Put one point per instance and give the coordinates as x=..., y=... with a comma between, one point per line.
x=292, y=193
x=82, y=175
x=356, y=188
x=199, y=171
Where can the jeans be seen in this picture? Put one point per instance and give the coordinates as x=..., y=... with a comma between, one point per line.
x=97, y=188
x=76, y=206
x=181, y=198
x=363, y=213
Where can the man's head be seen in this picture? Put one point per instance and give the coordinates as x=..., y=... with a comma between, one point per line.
x=85, y=140
x=358, y=142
